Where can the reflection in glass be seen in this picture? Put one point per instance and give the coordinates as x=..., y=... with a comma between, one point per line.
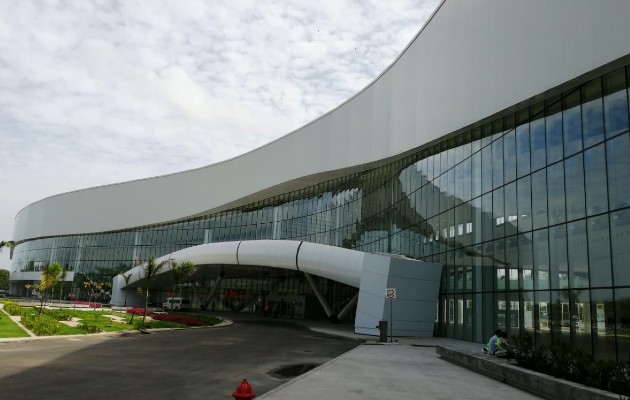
x=553, y=125
x=595, y=185
x=555, y=193
x=599, y=251
x=618, y=161
x=541, y=259
x=574, y=187
x=620, y=243
x=578, y=256
x=572, y=123
x=539, y=199
x=603, y=324
x=592, y=113
x=615, y=103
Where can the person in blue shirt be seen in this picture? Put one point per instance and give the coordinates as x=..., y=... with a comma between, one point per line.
x=491, y=346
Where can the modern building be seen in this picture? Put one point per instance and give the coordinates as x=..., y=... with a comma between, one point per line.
x=496, y=146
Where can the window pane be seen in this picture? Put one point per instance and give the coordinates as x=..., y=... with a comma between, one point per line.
x=522, y=144
x=599, y=251
x=620, y=239
x=476, y=175
x=595, y=185
x=622, y=302
x=592, y=113
x=539, y=199
x=603, y=324
x=525, y=260
x=511, y=212
x=578, y=256
x=541, y=260
x=618, y=160
x=553, y=124
x=509, y=155
x=615, y=103
x=559, y=274
x=537, y=137
x=574, y=187
x=555, y=191
x=498, y=210
x=524, y=193
x=486, y=171
x=497, y=163
x=572, y=123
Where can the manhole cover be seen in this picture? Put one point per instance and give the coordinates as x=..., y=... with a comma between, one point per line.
x=291, y=371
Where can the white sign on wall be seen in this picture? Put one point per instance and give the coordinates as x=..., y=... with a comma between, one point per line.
x=390, y=293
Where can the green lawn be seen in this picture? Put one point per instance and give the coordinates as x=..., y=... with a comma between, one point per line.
x=101, y=319
x=9, y=329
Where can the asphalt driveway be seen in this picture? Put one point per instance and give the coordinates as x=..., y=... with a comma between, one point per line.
x=205, y=363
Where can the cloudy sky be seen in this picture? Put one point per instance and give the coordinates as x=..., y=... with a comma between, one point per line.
x=103, y=91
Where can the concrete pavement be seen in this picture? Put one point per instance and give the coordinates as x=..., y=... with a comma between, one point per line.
x=407, y=369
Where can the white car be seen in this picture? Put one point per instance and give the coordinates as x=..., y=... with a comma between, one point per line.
x=176, y=304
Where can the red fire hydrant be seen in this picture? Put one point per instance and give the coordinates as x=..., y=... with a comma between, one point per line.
x=244, y=391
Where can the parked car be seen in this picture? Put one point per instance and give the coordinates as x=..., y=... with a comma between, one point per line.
x=176, y=304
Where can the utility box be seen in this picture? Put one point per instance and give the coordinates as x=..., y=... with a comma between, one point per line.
x=382, y=327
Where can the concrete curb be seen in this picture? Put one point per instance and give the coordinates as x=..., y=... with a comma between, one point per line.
x=530, y=381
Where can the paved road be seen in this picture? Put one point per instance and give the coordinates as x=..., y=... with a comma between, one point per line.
x=205, y=363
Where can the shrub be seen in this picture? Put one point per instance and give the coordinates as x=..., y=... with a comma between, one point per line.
x=562, y=360
x=180, y=319
x=41, y=325
x=89, y=328
x=58, y=315
x=138, y=311
x=13, y=309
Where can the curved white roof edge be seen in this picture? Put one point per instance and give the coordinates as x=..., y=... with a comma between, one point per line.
x=335, y=263
x=470, y=61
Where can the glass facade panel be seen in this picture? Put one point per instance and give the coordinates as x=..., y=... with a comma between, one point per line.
x=618, y=163
x=574, y=187
x=592, y=113
x=620, y=246
x=599, y=251
x=615, y=103
x=595, y=186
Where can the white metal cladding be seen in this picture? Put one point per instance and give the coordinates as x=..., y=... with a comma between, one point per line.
x=471, y=60
x=335, y=263
x=272, y=253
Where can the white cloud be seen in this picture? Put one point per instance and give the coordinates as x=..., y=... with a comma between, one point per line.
x=97, y=92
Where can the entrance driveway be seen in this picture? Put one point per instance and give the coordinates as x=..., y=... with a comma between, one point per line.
x=205, y=363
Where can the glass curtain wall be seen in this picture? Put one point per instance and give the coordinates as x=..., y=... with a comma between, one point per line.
x=529, y=214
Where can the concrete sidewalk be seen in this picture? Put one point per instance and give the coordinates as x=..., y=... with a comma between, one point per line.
x=407, y=369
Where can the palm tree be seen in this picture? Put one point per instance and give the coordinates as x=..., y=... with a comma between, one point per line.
x=8, y=244
x=49, y=278
x=151, y=269
x=181, y=272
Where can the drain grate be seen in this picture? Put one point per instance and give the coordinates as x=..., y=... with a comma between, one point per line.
x=291, y=371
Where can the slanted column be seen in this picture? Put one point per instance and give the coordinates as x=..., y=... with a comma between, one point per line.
x=351, y=303
x=319, y=295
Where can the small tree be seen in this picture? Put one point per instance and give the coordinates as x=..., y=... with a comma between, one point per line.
x=151, y=269
x=181, y=273
x=95, y=288
x=49, y=278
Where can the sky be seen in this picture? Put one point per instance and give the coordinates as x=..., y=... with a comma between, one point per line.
x=104, y=91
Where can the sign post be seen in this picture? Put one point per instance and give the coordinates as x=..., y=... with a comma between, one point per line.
x=390, y=293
